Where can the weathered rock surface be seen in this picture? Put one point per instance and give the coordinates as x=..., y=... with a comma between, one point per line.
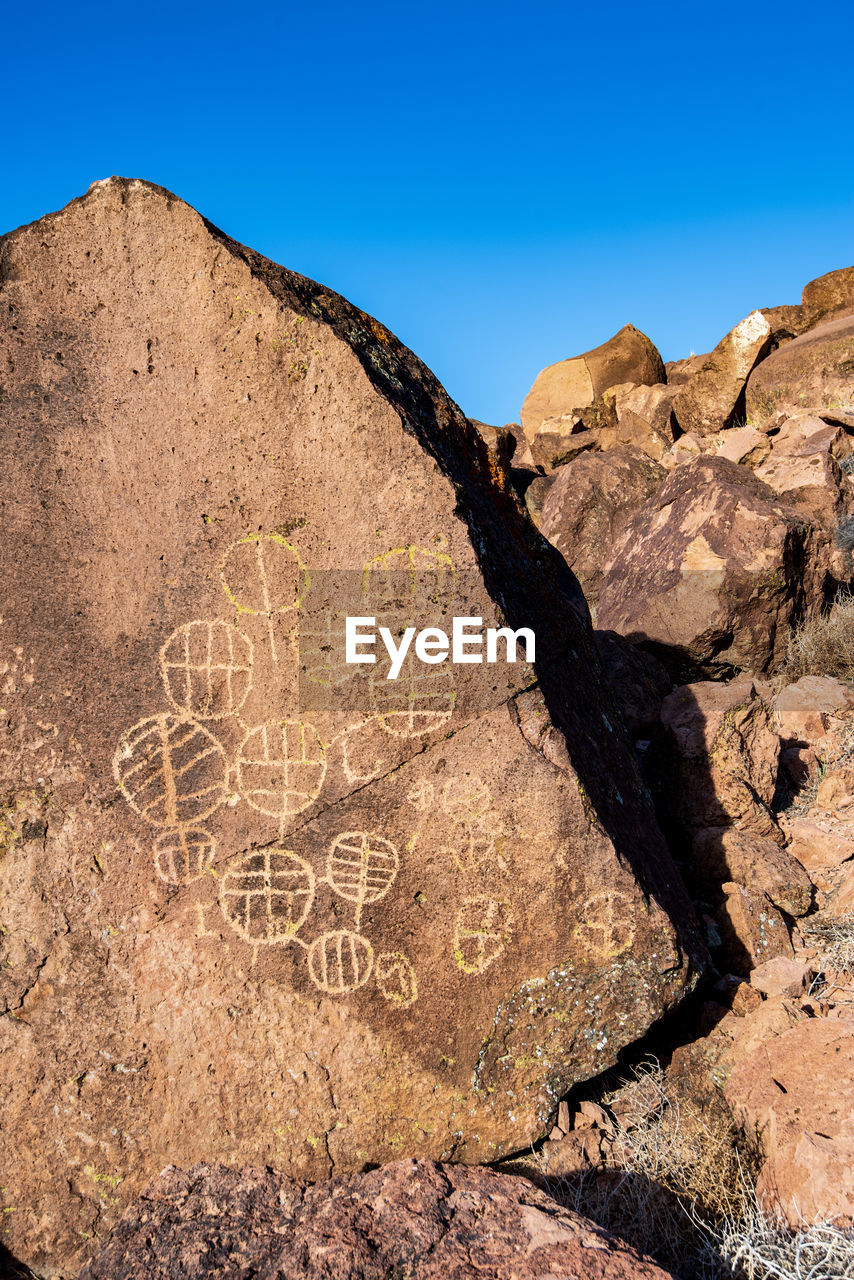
x=814, y=371
x=709, y=401
x=728, y=753
x=645, y=420
x=758, y=863
x=712, y=570
x=412, y=1219
x=797, y=1091
x=562, y=388
x=590, y=503
x=241, y=921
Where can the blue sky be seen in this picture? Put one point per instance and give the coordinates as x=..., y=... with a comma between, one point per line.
x=503, y=186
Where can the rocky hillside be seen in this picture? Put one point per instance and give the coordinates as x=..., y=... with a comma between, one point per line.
x=318, y=946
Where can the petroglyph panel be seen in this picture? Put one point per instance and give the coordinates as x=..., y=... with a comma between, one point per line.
x=183, y=856
x=483, y=929
x=281, y=767
x=262, y=573
x=170, y=770
x=207, y=669
x=606, y=926
x=340, y=962
x=396, y=978
x=266, y=895
x=362, y=867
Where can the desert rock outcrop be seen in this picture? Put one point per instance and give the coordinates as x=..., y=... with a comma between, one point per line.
x=245, y=919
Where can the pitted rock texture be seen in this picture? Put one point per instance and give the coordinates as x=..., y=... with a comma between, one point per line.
x=815, y=372
x=413, y=1220
x=237, y=925
x=712, y=571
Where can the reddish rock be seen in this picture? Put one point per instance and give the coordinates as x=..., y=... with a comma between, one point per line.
x=752, y=929
x=797, y=1091
x=414, y=1218
x=727, y=751
x=645, y=420
x=639, y=681
x=829, y=293
x=707, y=403
x=589, y=504
x=782, y=976
x=759, y=864
x=573, y=384
x=812, y=372
x=743, y=445
x=711, y=570
x=819, y=843
x=805, y=710
x=253, y=924
x=836, y=790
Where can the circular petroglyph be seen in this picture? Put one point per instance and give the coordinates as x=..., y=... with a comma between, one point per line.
x=281, y=767
x=340, y=961
x=266, y=895
x=361, y=867
x=171, y=770
x=182, y=856
x=207, y=669
x=482, y=932
x=396, y=978
x=262, y=573
x=606, y=927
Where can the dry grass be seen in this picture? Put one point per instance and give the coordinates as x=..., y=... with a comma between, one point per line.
x=679, y=1186
x=824, y=645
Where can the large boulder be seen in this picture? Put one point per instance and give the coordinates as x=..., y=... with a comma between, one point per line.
x=590, y=502
x=573, y=384
x=712, y=571
x=255, y=910
x=416, y=1219
x=813, y=372
x=711, y=399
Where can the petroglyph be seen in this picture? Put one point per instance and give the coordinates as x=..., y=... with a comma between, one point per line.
x=281, y=767
x=483, y=929
x=207, y=669
x=340, y=961
x=463, y=821
x=266, y=895
x=170, y=770
x=184, y=855
x=263, y=574
x=606, y=927
x=362, y=867
x=396, y=978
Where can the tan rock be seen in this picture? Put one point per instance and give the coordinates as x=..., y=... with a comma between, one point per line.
x=709, y=570
x=836, y=790
x=797, y=1091
x=818, y=843
x=831, y=292
x=590, y=502
x=812, y=372
x=685, y=448
x=743, y=444
x=804, y=710
x=261, y=923
x=781, y=976
x=728, y=753
x=573, y=384
x=645, y=419
x=707, y=403
x=411, y=1218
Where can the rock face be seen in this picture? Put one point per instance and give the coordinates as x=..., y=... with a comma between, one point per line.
x=709, y=400
x=412, y=1218
x=797, y=1092
x=815, y=371
x=244, y=918
x=711, y=570
x=590, y=502
x=575, y=383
